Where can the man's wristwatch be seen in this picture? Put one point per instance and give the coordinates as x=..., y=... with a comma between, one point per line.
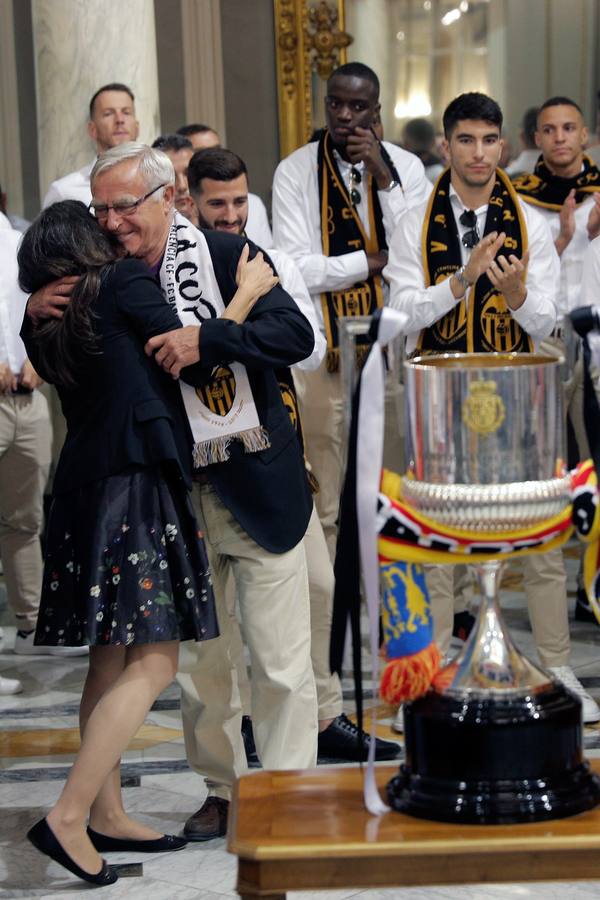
x=462, y=279
x=393, y=184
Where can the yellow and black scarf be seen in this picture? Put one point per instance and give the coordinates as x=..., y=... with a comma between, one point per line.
x=481, y=322
x=549, y=191
x=343, y=232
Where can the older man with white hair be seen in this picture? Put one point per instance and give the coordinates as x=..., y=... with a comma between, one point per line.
x=251, y=494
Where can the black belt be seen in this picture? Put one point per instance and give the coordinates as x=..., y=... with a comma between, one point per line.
x=200, y=477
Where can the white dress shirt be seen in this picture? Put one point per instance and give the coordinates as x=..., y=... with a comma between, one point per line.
x=74, y=186
x=292, y=282
x=590, y=279
x=571, y=260
x=4, y=221
x=12, y=302
x=257, y=226
x=297, y=216
x=424, y=306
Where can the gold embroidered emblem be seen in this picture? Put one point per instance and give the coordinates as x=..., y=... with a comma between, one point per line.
x=484, y=410
x=500, y=331
x=353, y=302
x=289, y=401
x=218, y=395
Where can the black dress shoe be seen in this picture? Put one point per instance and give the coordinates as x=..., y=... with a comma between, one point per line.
x=43, y=839
x=249, y=745
x=104, y=844
x=340, y=741
x=209, y=822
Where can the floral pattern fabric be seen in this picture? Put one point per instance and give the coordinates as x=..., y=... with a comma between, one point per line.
x=125, y=564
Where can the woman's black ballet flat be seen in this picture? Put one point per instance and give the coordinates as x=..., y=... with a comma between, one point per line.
x=103, y=843
x=43, y=839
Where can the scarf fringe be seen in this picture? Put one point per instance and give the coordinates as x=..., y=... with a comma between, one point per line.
x=216, y=450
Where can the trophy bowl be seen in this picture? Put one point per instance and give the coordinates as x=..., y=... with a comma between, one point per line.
x=497, y=739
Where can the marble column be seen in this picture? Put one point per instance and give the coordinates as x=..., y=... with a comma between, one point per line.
x=203, y=64
x=541, y=49
x=10, y=143
x=368, y=21
x=79, y=46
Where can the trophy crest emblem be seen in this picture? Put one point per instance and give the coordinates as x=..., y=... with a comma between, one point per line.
x=484, y=409
x=218, y=395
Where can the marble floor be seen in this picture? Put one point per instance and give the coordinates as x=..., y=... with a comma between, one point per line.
x=38, y=738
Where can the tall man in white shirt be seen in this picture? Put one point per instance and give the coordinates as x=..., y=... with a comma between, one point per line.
x=565, y=189
x=475, y=270
x=336, y=202
x=112, y=122
x=218, y=183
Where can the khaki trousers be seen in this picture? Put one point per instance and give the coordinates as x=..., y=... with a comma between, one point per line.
x=322, y=402
x=320, y=584
x=545, y=583
x=272, y=591
x=25, y=438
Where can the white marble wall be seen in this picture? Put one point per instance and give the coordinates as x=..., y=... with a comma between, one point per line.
x=80, y=45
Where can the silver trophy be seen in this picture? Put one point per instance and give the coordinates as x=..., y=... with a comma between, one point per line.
x=497, y=740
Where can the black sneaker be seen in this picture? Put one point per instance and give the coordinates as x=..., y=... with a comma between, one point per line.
x=340, y=741
x=249, y=745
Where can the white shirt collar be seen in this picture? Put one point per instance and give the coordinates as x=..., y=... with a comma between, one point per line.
x=459, y=206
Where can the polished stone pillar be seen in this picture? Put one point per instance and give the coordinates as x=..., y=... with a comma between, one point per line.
x=369, y=23
x=79, y=46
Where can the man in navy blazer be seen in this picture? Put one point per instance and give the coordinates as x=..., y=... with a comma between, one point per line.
x=253, y=508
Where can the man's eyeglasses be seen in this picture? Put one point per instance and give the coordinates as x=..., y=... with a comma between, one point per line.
x=122, y=207
x=470, y=238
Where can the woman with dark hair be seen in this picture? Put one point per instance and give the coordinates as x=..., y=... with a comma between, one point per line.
x=126, y=570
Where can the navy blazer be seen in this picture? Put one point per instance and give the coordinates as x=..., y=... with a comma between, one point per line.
x=124, y=409
x=267, y=492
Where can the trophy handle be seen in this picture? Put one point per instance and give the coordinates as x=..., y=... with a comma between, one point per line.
x=490, y=662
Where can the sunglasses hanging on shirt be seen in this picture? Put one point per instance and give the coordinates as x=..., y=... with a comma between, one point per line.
x=355, y=178
x=471, y=237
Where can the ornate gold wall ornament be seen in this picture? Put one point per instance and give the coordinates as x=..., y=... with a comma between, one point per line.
x=324, y=39
x=305, y=39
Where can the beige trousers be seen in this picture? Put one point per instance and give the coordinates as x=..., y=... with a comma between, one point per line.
x=322, y=408
x=272, y=591
x=545, y=584
x=25, y=438
x=320, y=584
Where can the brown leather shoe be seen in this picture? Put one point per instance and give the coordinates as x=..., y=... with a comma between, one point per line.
x=209, y=822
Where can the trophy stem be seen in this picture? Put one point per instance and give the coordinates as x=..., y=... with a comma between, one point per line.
x=490, y=663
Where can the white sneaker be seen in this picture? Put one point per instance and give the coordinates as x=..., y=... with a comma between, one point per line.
x=589, y=708
x=398, y=723
x=24, y=646
x=10, y=685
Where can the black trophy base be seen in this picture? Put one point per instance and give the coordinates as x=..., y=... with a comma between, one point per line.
x=494, y=762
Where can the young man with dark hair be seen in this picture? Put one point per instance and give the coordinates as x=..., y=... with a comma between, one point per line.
x=203, y=137
x=565, y=190
x=218, y=181
x=475, y=270
x=336, y=202
x=112, y=122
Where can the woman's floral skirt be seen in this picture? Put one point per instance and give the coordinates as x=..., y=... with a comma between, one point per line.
x=125, y=564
